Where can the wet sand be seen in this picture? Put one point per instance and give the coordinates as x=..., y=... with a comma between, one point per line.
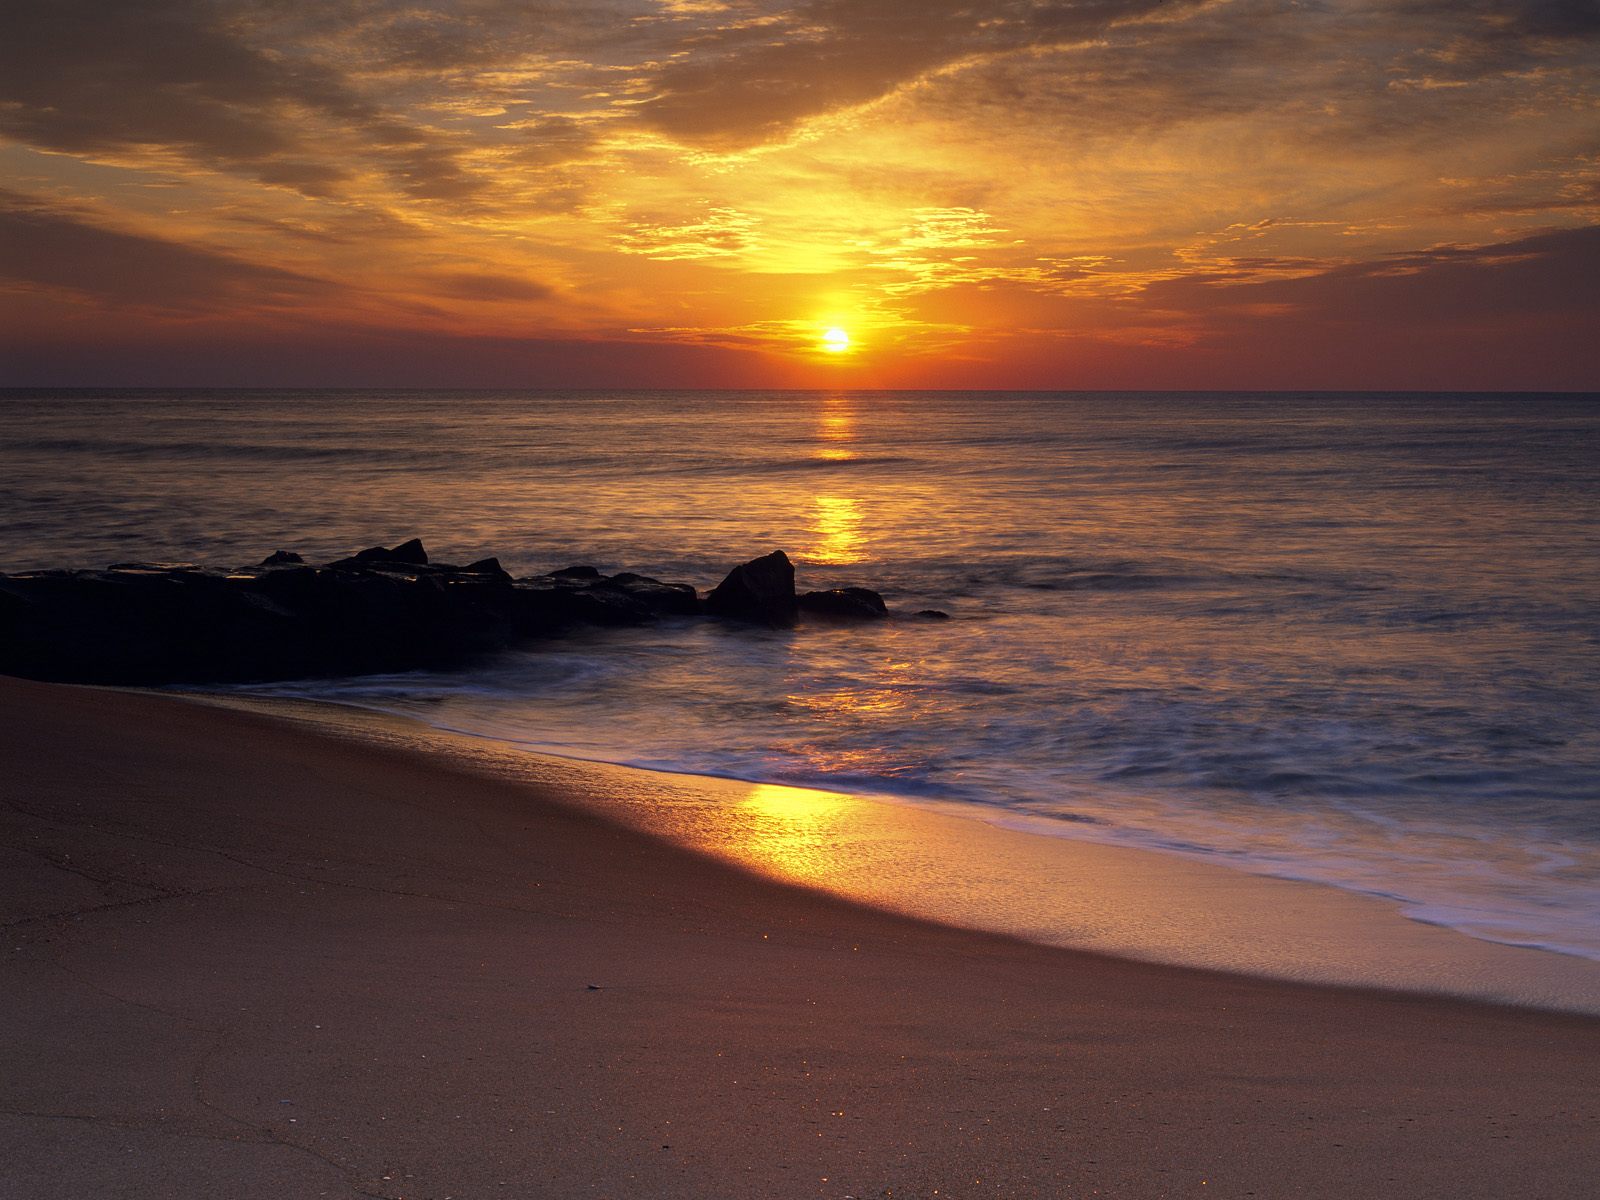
x=246, y=959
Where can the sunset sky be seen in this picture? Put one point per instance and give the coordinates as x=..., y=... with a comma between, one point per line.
x=1108, y=193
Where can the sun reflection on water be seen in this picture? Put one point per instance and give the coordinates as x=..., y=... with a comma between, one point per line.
x=836, y=526
x=857, y=702
x=836, y=428
x=835, y=519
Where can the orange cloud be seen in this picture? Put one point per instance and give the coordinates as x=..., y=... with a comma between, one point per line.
x=1021, y=192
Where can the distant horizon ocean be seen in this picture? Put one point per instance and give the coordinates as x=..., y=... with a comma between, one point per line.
x=1350, y=638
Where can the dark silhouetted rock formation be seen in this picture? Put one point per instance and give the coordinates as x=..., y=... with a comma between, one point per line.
x=383, y=609
x=760, y=591
x=409, y=554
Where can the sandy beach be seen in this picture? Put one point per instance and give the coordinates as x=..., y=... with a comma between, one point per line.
x=244, y=959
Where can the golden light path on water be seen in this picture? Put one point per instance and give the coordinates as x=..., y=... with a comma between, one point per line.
x=837, y=429
x=836, y=525
x=836, y=520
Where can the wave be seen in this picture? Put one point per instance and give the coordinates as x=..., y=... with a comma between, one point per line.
x=179, y=452
x=1516, y=893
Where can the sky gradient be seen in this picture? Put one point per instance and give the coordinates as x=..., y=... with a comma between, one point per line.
x=1103, y=194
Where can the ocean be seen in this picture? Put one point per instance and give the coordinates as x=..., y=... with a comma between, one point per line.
x=1350, y=639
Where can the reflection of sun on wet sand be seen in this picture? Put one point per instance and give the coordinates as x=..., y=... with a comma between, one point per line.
x=790, y=829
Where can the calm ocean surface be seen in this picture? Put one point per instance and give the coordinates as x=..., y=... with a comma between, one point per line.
x=1353, y=639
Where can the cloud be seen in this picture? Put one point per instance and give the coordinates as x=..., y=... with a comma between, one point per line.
x=756, y=80
x=338, y=356
x=44, y=247
x=475, y=285
x=105, y=78
x=1512, y=20
x=987, y=167
x=317, y=96
x=716, y=233
x=1383, y=72
x=1547, y=276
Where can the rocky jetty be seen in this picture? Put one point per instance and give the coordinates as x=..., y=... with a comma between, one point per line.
x=380, y=609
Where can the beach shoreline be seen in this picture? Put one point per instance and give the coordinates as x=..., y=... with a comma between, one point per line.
x=993, y=870
x=249, y=958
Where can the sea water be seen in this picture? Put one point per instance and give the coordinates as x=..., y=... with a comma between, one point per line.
x=1353, y=639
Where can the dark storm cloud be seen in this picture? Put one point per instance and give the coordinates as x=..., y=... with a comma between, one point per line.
x=47, y=247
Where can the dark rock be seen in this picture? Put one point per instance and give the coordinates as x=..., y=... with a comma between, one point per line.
x=545, y=606
x=410, y=553
x=280, y=558
x=386, y=609
x=142, y=625
x=135, y=626
x=933, y=614
x=563, y=598
x=850, y=603
x=761, y=591
x=487, y=566
x=672, y=599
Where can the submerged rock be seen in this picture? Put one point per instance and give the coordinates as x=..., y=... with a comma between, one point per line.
x=679, y=599
x=760, y=591
x=848, y=603
x=280, y=558
x=551, y=603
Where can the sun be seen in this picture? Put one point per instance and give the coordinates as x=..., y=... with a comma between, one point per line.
x=835, y=341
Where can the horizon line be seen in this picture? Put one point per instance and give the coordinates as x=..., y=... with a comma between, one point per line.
x=635, y=388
